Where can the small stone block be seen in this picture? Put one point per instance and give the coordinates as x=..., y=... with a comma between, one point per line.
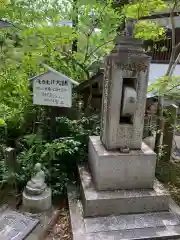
x=104, y=203
x=115, y=170
x=10, y=158
x=37, y=203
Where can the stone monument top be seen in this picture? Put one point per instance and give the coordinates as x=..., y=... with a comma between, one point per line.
x=129, y=28
x=37, y=183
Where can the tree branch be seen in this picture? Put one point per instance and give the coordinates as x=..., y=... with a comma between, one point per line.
x=97, y=21
x=103, y=44
x=81, y=65
x=172, y=88
x=174, y=65
x=173, y=38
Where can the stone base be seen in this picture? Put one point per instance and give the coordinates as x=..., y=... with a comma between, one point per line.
x=158, y=225
x=117, y=202
x=39, y=203
x=35, y=191
x=115, y=170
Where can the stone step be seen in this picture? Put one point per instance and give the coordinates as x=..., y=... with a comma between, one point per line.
x=159, y=225
x=168, y=232
x=103, y=203
x=131, y=221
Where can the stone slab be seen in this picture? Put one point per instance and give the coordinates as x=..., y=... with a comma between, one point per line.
x=45, y=220
x=168, y=232
x=16, y=226
x=76, y=211
x=115, y=170
x=103, y=203
x=160, y=225
x=132, y=221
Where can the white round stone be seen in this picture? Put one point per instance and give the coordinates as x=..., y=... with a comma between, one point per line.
x=37, y=203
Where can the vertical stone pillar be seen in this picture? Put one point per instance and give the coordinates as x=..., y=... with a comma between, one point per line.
x=126, y=67
x=10, y=159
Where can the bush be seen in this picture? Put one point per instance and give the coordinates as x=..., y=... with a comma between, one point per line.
x=16, y=107
x=58, y=157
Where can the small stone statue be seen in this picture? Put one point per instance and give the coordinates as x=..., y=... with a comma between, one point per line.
x=37, y=183
x=129, y=29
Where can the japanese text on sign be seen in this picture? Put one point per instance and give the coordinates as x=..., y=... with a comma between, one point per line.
x=54, y=92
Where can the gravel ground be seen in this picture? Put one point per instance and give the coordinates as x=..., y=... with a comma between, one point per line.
x=61, y=230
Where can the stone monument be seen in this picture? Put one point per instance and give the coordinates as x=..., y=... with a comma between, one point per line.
x=37, y=196
x=120, y=197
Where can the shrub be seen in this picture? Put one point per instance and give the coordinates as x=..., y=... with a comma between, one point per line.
x=58, y=157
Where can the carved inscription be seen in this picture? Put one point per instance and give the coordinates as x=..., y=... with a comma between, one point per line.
x=105, y=93
x=141, y=67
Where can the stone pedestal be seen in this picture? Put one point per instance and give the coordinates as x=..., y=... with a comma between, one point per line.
x=115, y=170
x=116, y=202
x=37, y=203
x=120, y=198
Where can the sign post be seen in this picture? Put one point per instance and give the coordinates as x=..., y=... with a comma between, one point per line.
x=52, y=89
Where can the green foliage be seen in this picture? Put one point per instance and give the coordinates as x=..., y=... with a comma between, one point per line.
x=168, y=87
x=38, y=37
x=58, y=157
x=79, y=130
x=149, y=30
x=16, y=108
x=43, y=38
x=141, y=8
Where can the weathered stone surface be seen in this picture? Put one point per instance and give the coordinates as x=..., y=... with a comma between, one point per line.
x=127, y=63
x=37, y=203
x=133, y=221
x=164, y=225
x=115, y=170
x=168, y=232
x=36, y=185
x=35, y=191
x=16, y=226
x=117, y=202
x=45, y=221
x=76, y=212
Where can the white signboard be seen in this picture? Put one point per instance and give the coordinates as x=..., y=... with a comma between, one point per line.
x=51, y=89
x=66, y=23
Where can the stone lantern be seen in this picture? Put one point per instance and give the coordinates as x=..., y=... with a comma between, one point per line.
x=118, y=159
x=120, y=197
x=124, y=98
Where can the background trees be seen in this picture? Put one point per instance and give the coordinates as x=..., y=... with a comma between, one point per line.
x=39, y=36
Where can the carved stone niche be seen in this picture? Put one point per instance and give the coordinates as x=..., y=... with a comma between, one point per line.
x=124, y=95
